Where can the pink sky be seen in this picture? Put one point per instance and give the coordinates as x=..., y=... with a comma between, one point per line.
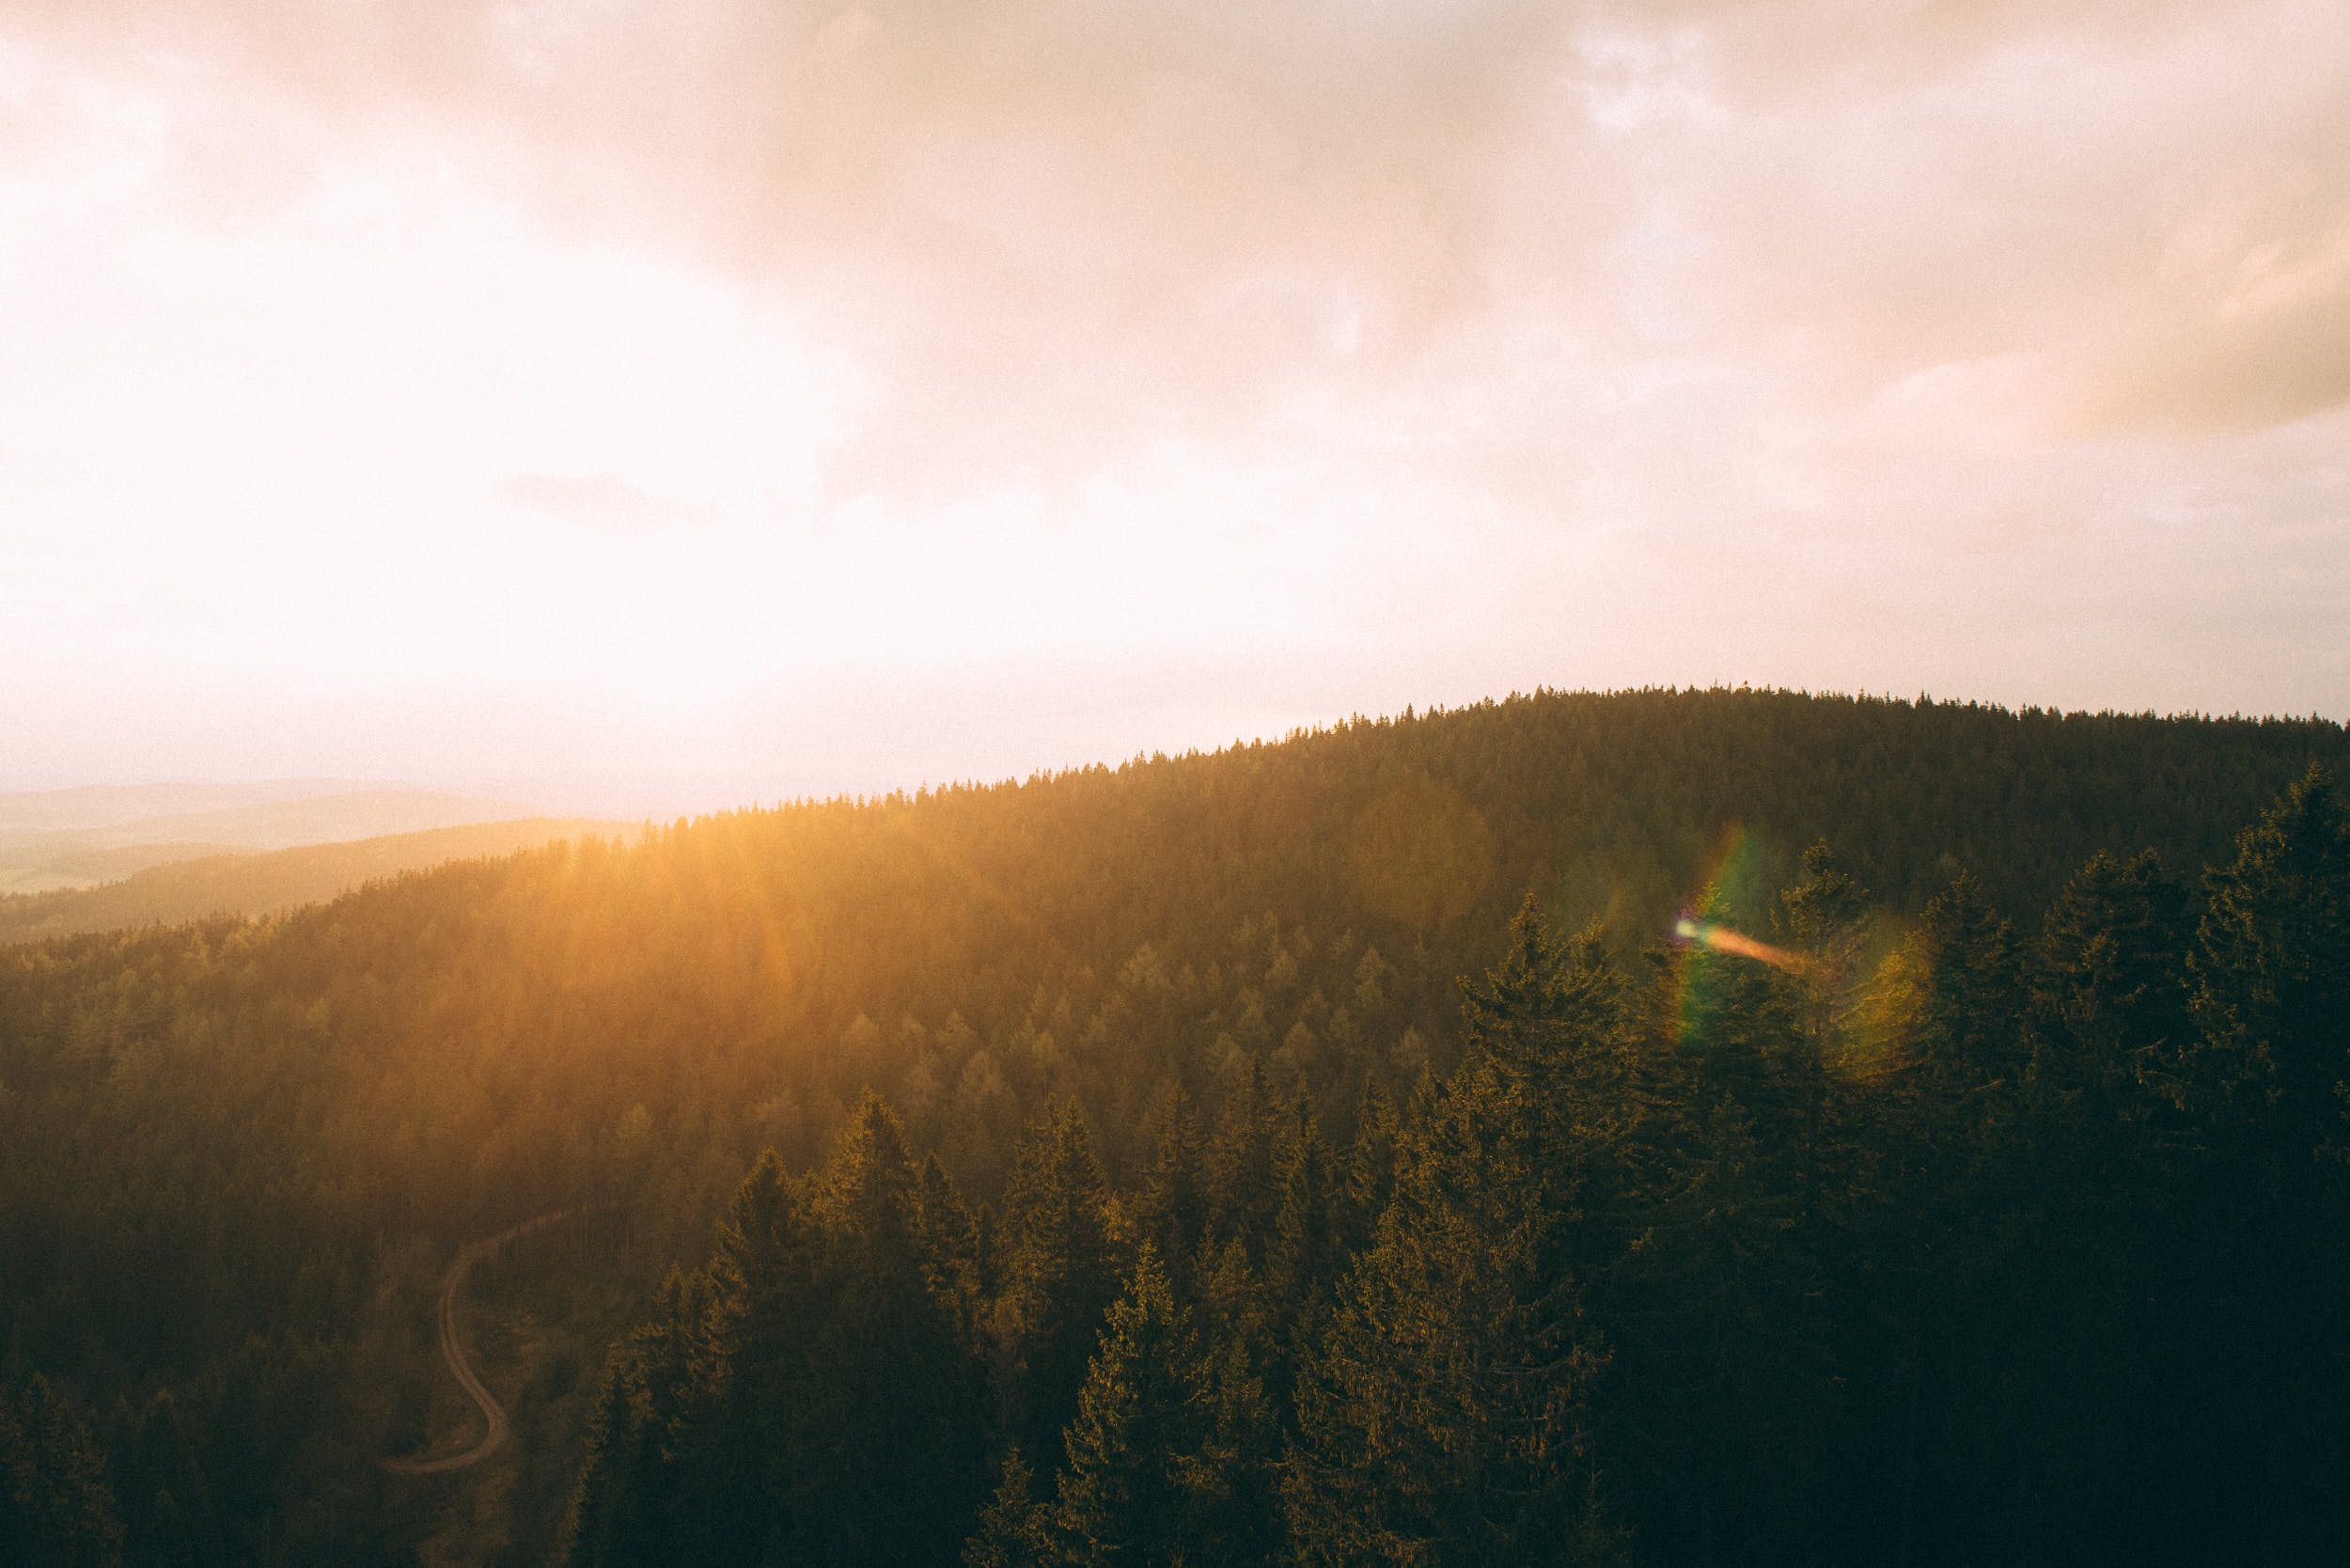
x=662, y=406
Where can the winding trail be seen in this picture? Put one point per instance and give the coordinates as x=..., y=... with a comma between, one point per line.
x=453, y=1349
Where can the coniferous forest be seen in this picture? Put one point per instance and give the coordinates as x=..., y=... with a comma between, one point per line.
x=1656, y=1128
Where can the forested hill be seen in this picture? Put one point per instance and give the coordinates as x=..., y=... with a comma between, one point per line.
x=246, y=883
x=234, y=1155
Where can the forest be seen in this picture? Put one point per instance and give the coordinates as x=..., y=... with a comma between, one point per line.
x=248, y=882
x=1657, y=1127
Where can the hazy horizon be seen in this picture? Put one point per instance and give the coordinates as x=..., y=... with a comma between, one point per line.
x=623, y=797
x=693, y=405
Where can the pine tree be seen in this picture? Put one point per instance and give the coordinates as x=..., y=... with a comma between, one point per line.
x=612, y=1522
x=888, y=1452
x=1244, y=1162
x=2272, y=973
x=774, y=1276
x=950, y=1248
x=1014, y=1529
x=1308, y=1246
x=1971, y=1039
x=1738, y=1024
x=1824, y=920
x=168, y=1509
x=683, y=1499
x=1060, y=1273
x=2109, y=1005
x=1172, y=1211
x=1245, y=1370
x=1369, y=1175
x=2271, y=977
x=2077, y=1390
x=55, y=1507
x=1134, y=1482
x=1716, y=1203
x=1445, y=1419
x=1724, y=1377
x=881, y=1456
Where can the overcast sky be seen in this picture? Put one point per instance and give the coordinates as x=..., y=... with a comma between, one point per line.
x=667, y=405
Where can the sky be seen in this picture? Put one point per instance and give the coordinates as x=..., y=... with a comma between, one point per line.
x=668, y=406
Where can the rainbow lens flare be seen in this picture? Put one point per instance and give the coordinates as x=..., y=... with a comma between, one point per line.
x=1690, y=932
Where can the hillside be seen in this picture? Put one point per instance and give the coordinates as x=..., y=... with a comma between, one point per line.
x=23, y=811
x=1848, y=1228
x=248, y=883
x=60, y=839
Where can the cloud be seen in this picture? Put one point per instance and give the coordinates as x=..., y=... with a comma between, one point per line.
x=1468, y=341
x=2244, y=328
x=605, y=500
x=1058, y=232
x=1049, y=228
x=2147, y=199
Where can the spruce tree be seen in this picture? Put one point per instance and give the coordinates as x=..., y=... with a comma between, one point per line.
x=2271, y=977
x=1014, y=1529
x=55, y=1507
x=612, y=1522
x=1723, y=1377
x=1246, y=1159
x=888, y=1451
x=1060, y=1273
x=1445, y=1417
x=2272, y=973
x=168, y=1508
x=774, y=1278
x=950, y=1248
x=2077, y=1388
x=1370, y=1171
x=1307, y=1246
x=1172, y=1209
x=1135, y=1482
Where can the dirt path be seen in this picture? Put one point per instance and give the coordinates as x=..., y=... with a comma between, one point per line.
x=453, y=1350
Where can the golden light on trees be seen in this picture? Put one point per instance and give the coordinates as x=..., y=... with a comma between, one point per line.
x=1421, y=854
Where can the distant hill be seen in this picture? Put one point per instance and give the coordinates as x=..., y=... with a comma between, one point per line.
x=29, y=811
x=215, y=882
x=67, y=838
